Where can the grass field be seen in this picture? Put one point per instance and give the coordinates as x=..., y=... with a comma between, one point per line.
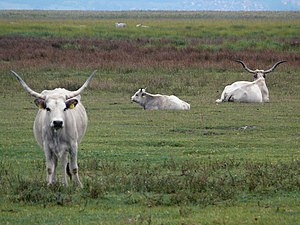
x=215, y=164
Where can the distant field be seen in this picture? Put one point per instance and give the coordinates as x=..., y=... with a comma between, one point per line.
x=235, y=31
x=215, y=164
x=79, y=15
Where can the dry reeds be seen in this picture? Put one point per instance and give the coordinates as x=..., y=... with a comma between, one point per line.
x=39, y=53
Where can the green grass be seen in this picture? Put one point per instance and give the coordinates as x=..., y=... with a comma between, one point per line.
x=215, y=164
x=152, y=167
x=238, y=33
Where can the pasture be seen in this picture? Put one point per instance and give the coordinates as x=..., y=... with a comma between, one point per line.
x=215, y=164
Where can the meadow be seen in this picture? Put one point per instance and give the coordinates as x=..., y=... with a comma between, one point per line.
x=215, y=164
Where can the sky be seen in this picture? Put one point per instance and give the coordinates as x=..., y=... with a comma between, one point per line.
x=227, y=5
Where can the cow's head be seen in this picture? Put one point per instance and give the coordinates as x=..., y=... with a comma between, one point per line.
x=259, y=73
x=55, y=108
x=54, y=102
x=139, y=96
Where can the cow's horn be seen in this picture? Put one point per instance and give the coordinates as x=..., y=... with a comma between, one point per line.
x=25, y=86
x=275, y=65
x=86, y=83
x=245, y=67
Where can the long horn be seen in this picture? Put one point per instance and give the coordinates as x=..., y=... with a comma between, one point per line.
x=86, y=83
x=25, y=86
x=275, y=65
x=245, y=67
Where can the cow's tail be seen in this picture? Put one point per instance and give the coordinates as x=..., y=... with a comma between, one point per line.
x=69, y=171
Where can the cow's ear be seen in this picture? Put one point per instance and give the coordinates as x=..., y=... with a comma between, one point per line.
x=70, y=104
x=40, y=103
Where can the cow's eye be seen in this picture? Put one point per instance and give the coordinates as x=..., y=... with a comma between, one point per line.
x=48, y=109
x=65, y=109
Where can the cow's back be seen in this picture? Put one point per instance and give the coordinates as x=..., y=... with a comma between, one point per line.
x=162, y=102
x=177, y=103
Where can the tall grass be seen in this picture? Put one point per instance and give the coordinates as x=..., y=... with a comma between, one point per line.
x=166, y=184
x=135, y=55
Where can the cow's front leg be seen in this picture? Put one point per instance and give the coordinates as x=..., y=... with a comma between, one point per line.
x=55, y=160
x=51, y=162
x=74, y=165
x=64, y=162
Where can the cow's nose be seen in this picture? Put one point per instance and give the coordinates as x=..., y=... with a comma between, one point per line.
x=57, y=124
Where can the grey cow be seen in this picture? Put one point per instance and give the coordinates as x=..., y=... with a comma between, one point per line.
x=159, y=102
x=59, y=126
x=246, y=91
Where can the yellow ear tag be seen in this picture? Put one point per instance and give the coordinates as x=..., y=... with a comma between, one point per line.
x=72, y=106
x=41, y=105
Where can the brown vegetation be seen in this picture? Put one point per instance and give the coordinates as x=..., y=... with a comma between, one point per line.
x=40, y=53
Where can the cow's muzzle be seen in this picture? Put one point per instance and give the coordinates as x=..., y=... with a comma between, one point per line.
x=57, y=124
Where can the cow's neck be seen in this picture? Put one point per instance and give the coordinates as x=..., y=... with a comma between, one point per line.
x=56, y=142
x=148, y=99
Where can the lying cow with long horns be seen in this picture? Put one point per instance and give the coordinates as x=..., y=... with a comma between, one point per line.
x=246, y=91
x=157, y=101
x=59, y=126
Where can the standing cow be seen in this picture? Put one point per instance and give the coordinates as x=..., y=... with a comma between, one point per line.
x=59, y=126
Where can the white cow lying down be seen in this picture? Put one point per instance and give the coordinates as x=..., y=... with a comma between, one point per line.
x=246, y=91
x=157, y=101
x=120, y=25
